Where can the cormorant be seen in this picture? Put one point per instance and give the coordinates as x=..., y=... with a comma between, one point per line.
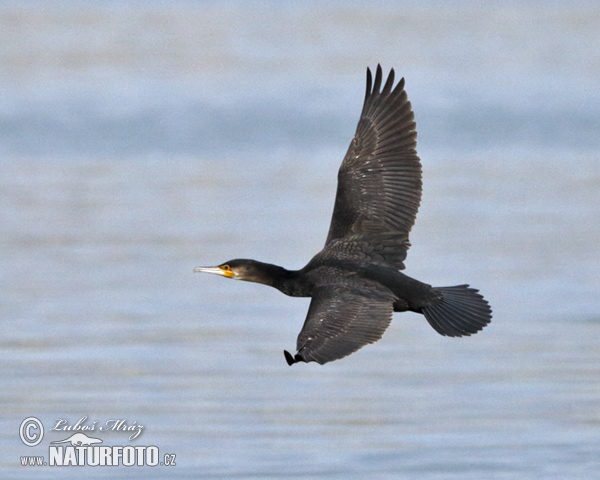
x=355, y=281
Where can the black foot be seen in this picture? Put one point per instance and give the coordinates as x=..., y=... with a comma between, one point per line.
x=289, y=358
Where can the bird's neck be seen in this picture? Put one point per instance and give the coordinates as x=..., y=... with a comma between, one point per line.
x=290, y=282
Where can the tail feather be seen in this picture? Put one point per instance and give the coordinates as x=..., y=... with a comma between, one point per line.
x=462, y=311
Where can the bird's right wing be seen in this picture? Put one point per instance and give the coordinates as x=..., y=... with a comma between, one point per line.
x=341, y=319
x=379, y=181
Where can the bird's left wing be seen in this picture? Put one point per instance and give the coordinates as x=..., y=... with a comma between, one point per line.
x=341, y=319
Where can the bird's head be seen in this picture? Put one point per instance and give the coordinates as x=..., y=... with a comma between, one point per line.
x=242, y=269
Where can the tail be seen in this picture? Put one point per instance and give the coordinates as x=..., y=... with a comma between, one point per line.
x=462, y=311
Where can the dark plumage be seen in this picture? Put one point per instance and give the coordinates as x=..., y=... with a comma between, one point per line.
x=355, y=282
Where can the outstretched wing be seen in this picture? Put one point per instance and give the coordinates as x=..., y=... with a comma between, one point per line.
x=340, y=320
x=379, y=181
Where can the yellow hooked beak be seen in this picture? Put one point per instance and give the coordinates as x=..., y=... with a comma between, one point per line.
x=222, y=270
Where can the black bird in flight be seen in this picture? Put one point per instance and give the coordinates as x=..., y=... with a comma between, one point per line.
x=355, y=281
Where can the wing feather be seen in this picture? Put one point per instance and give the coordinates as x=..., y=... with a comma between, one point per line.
x=341, y=319
x=379, y=181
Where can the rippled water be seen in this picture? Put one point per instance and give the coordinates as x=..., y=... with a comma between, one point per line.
x=141, y=139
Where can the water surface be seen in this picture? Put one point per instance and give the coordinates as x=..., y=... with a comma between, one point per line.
x=141, y=139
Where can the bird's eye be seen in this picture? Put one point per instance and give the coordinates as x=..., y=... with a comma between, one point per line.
x=225, y=267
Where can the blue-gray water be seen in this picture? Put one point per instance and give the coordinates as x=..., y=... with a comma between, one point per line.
x=141, y=139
